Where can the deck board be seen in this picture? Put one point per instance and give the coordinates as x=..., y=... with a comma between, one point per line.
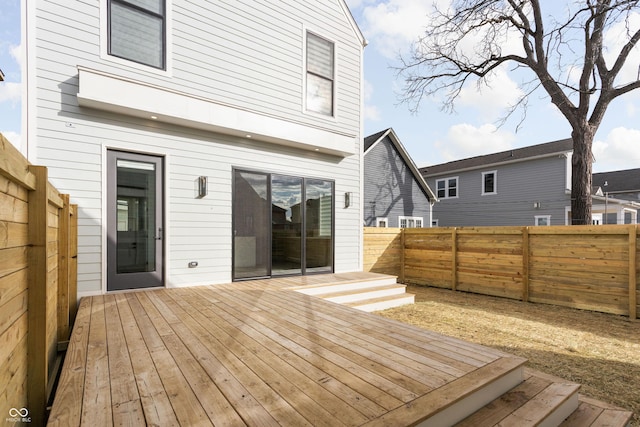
x=256, y=353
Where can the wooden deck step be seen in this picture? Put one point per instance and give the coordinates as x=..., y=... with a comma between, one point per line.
x=371, y=294
x=346, y=285
x=594, y=413
x=383, y=303
x=544, y=400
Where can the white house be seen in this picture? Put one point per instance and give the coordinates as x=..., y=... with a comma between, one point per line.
x=203, y=142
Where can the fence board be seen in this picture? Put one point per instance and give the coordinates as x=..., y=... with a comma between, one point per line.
x=587, y=267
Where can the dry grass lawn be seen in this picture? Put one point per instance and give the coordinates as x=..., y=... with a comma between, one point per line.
x=599, y=351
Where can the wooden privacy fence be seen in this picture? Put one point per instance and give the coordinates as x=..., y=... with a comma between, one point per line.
x=38, y=295
x=586, y=267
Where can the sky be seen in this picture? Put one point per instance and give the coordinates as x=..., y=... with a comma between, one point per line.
x=430, y=135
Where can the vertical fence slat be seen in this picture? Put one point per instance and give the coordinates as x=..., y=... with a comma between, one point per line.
x=633, y=233
x=63, y=270
x=454, y=259
x=525, y=264
x=402, y=249
x=37, y=369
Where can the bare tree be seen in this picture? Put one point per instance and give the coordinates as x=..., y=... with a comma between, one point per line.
x=552, y=48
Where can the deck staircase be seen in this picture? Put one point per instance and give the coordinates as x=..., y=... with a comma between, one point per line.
x=374, y=293
x=515, y=397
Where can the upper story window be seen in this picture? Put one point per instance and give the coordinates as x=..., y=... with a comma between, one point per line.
x=320, y=74
x=489, y=182
x=410, y=221
x=447, y=188
x=137, y=31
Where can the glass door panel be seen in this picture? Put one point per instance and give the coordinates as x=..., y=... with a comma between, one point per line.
x=251, y=225
x=286, y=225
x=318, y=225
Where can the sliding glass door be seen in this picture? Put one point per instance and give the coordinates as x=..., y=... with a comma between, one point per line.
x=283, y=225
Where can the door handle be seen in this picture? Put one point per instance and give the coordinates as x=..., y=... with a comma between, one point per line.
x=159, y=235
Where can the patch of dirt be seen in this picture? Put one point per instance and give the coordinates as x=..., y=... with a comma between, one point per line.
x=599, y=351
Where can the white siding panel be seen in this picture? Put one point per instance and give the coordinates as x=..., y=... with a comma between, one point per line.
x=241, y=53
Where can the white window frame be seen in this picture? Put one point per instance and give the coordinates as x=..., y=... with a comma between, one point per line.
x=447, y=188
x=333, y=115
x=495, y=183
x=410, y=222
x=383, y=221
x=168, y=40
x=538, y=218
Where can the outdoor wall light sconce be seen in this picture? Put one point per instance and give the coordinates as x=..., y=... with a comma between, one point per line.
x=347, y=199
x=201, y=187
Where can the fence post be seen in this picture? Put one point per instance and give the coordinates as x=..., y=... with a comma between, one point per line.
x=63, y=269
x=525, y=264
x=633, y=238
x=454, y=259
x=73, y=265
x=402, y=241
x=37, y=369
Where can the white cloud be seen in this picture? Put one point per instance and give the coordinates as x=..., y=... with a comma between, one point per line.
x=17, y=53
x=14, y=138
x=10, y=92
x=493, y=99
x=619, y=150
x=391, y=26
x=614, y=40
x=465, y=140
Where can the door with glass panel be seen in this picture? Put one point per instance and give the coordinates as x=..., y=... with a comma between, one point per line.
x=135, y=250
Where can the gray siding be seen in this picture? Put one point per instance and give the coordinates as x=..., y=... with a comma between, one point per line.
x=244, y=54
x=519, y=186
x=390, y=189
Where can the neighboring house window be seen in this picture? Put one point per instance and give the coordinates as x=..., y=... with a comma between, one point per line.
x=137, y=31
x=320, y=74
x=543, y=220
x=489, y=182
x=447, y=188
x=382, y=222
x=410, y=221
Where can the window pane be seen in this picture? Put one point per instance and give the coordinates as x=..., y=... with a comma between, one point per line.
x=251, y=225
x=488, y=183
x=318, y=225
x=286, y=225
x=136, y=36
x=150, y=5
x=136, y=226
x=319, y=56
x=319, y=95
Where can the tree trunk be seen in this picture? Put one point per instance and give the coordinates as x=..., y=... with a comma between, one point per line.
x=581, y=176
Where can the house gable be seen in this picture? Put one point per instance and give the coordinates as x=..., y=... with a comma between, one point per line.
x=393, y=187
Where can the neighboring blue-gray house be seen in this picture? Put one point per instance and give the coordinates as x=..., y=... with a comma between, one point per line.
x=395, y=194
x=617, y=186
x=525, y=186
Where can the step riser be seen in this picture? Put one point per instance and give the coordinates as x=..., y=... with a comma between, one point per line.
x=384, y=305
x=343, y=287
x=466, y=406
x=365, y=295
x=561, y=412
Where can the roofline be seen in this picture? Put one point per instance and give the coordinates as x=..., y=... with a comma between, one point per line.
x=489, y=165
x=408, y=160
x=354, y=24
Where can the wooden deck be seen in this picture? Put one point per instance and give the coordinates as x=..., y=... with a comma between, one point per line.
x=257, y=353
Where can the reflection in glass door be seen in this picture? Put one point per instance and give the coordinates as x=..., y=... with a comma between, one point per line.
x=251, y=230
x=134, y=221
x=286, y=225
x=318, y=225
